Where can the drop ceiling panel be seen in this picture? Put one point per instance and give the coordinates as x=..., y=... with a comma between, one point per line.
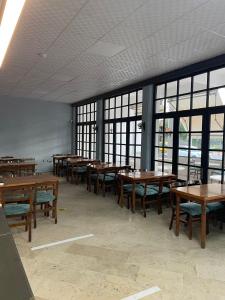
x=69, y=50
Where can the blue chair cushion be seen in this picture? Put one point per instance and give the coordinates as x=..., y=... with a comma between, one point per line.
x=165, y=189
x=193, y=209
x=127, y=187
x=108, y=177
x=44, y=197
x=140, y=191
x=214, y=206
x=80, y=169
x=16, y=209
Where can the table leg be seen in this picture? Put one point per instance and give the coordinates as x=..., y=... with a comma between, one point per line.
x=133, y=197
x=203, y=225
x=177, y=215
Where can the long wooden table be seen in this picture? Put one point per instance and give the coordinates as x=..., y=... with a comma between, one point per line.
x=202, y=194
x=75, y=162
x=17, y=169
x=142, y=177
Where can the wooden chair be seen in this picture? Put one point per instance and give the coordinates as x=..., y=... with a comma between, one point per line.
x=46, y=200
x=17, y=203
x=190, y=210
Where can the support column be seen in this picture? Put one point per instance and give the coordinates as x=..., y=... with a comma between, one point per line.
x=147, y=117
x=73, y=131
x=100, y=130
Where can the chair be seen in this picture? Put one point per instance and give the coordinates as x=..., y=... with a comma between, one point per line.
x=46, y=198
x=17, y=202
x=191, y=210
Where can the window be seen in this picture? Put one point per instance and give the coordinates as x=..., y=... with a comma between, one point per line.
x=189, y=126
x=122, y=138
x=86, y=130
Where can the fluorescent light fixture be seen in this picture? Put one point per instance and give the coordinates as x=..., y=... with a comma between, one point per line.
x=10, y=18
x=222, y=95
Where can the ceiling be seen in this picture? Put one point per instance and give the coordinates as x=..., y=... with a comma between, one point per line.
x=96, y=46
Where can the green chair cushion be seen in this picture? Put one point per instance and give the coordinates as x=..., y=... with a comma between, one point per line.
x=140, y=191
x=127, y=187
x=214, y=206
x=44, y=197
x=193, y=209
x=80, y=169
x=165, y=189
x=16, y=209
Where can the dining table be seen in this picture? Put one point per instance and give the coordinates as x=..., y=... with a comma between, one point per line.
x=17, y=168
x=73, y=163
x=59, y=160
x=143, y=176
x=202, y=194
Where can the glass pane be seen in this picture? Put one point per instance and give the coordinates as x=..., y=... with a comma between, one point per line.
x=139, y=109
x=182, y=172
x=199, y=100
x=138, y=151
x=214, y=176
x=194, y=173
x=131, y=149
x=158, y=139
x=159, y=106
x=106, y=103
x=171, y=89
x=168, y=125
x=200, y=82
x=111, y=113
x=160, y=91
x=118, y=101
x=125, y=99
x=132, y=126
x=217, y=78
x=168, y=140
x=159, y=125
x=185, y=85
x=158, y=166
x=184, y=124
x=125, y=111
x=168, y=168
x=140, y=96
x=183, y=156
x=183, y=140
x=138, y=163
x=196, y=123
x=216, y=141
x=118, y=112
x=138, y=138
x=184, y=102
x=158, y=153
x=217, y=97
x=132, y=138
x=133, y=98
x=168, y=154
x=132, y=110
x=217, y=122
x=171, y=104
x=196, y=141
x=215, y=159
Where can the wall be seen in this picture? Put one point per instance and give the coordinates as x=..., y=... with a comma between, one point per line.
x=34, y=128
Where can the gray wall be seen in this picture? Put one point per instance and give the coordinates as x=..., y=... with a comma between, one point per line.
x=34, y=128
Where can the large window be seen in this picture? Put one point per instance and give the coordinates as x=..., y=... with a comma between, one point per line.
x=189, y=126
x=122, y=138
x=86, y=130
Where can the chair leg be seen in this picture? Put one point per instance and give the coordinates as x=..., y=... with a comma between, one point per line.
x=29, y=227
x=55, y=211
x=159, y=205
x=172, y=218
x=190, y=227
x=144, y=206
x=26, y=225
x=34, y=216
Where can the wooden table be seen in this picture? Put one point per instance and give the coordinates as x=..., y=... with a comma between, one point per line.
x=102, y=168
x=58, y=160
x=202, y=194
x=75, y=162
x=17, y=169
x=142, y=177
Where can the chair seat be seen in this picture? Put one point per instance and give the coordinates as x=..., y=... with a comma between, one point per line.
x=165, y=189
x=16, y=209
x=193, y=209
x=107, y=178
x=80, y=169
x=44, y=197
x=140, y=191
x=214, y=206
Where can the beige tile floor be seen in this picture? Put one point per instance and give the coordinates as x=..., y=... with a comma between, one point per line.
x=126, y=255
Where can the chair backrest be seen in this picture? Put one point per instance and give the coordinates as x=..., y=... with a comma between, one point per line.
x=17, y=194
x=193, y=182
x=48, y=186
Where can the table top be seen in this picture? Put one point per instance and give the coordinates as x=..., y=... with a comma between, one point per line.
x=28, y=180
x=65, y=156
x=107, y=166
x=145, y=175
x=18, y=164
x=205, y=192
x=80, y=160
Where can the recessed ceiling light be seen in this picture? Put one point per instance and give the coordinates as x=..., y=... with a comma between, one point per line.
x=10, y=18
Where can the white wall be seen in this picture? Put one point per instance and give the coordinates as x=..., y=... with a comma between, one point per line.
x=34, y=128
